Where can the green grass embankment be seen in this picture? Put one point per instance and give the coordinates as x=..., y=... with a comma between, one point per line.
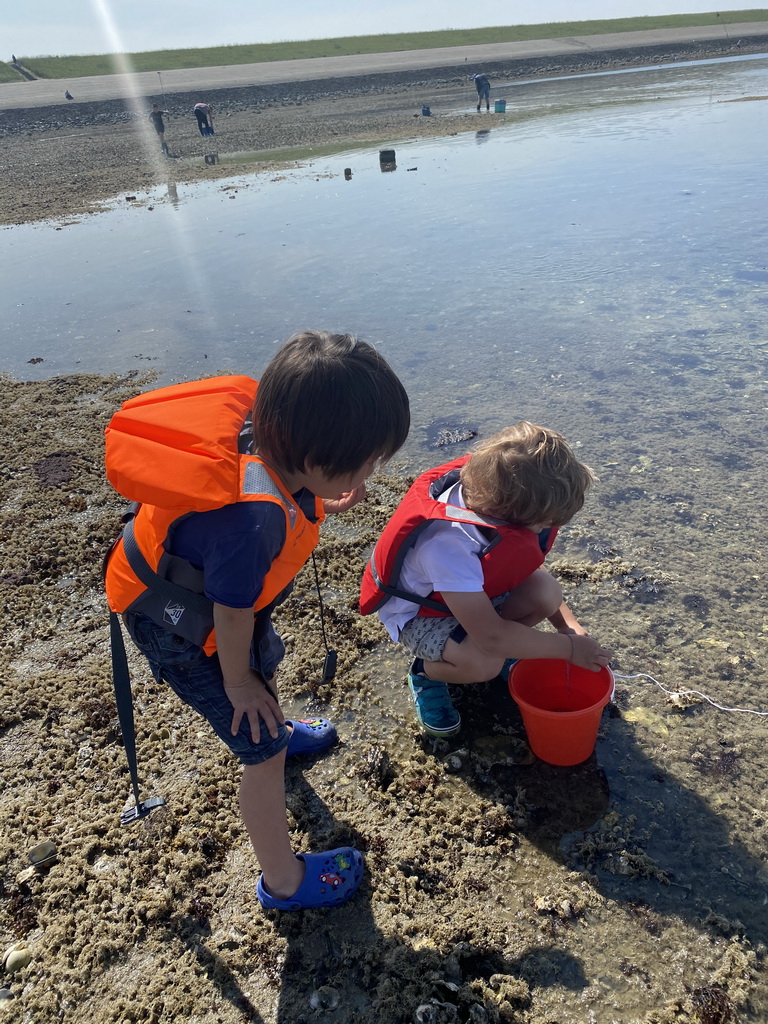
x=8, y=73
x=259, y=53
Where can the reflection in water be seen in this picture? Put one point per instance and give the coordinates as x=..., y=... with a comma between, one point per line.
x=482, y=136
x=387, y=160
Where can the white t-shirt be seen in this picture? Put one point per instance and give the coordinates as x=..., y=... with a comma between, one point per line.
x=444, y=557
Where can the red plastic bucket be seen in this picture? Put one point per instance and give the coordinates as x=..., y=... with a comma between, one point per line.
x=561, y=705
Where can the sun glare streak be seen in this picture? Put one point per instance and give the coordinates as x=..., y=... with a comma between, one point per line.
x=137, y=104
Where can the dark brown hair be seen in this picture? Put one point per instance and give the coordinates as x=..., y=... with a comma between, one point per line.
x=330, y=401
x=526, y=475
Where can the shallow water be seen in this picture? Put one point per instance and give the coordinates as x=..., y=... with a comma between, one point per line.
x=581, y=227
x=599, y=267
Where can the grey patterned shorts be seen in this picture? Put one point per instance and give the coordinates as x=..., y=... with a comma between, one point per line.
x=425, y=635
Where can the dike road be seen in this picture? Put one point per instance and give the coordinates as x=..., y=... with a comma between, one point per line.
x=45, y=92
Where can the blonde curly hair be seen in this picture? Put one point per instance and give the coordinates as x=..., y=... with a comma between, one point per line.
x=527, y=475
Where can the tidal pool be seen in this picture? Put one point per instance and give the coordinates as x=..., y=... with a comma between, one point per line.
x=599, y=267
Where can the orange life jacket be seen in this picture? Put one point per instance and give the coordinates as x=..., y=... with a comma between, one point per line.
x=175, y=451
x=512, y=553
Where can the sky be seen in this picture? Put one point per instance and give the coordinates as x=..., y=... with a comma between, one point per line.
x=33, y=28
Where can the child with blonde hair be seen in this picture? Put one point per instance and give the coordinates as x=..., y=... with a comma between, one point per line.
x=456, y=576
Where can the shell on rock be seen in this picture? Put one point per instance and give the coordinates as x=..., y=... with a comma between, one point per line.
x=42, y=854
x=324, y=998
x=435, y=1012
x=15, y=958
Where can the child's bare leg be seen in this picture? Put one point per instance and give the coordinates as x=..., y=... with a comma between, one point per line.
x=537, y=598
x=262, y=806
x=463, y=663
x=565, y=621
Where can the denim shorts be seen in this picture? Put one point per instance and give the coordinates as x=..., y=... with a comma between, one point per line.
x=196, y=678
x=425, y=636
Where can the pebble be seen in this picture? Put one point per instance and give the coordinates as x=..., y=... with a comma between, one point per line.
x=16, y=958
x=436, y=1012
x=324, y=998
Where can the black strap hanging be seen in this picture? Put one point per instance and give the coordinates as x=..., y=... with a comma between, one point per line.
x=329, y=664
x=122, y=683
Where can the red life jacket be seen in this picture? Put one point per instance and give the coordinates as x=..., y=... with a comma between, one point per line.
x=512, y=554
x=175, y=451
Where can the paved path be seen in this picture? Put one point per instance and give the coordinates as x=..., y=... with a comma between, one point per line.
x=146, y=83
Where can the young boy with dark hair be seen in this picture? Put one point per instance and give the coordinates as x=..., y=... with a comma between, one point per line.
x=236, y=524
x=456, y=575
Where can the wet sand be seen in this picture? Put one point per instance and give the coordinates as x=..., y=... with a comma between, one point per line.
x=631, y=888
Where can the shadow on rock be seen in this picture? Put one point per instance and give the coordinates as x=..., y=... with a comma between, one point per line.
x=339, y=962
x=621, y=817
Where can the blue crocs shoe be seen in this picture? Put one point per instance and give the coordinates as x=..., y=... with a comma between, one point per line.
x=310, y=735
x=330, y=878
x=436, y=714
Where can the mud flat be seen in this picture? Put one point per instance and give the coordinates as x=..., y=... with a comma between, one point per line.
x=67, y=159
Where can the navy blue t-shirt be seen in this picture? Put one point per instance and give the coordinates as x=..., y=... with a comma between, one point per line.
x=235, y=546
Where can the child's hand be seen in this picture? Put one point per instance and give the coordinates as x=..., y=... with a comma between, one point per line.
x=344, y=501
x=252, y=699
x=587, y=653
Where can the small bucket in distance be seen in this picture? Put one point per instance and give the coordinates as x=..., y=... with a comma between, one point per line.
x=561, y=705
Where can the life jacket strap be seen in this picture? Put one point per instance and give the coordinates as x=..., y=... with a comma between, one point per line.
x=405, y=595
x=170, y=592
x=124, y=699
x=187, y=599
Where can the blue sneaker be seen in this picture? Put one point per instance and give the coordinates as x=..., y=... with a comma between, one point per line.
x=507, y=667
x=436, y=714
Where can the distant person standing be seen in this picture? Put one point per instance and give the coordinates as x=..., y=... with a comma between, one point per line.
x=156, y=116
x=483, y=86
x=204, y=115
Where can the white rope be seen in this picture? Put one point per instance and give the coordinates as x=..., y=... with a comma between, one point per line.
x=685, y=693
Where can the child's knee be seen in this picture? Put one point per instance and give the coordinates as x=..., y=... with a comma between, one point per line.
x=536, y=598
x=549, y=592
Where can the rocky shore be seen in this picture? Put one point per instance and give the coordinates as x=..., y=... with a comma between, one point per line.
x=66, y=159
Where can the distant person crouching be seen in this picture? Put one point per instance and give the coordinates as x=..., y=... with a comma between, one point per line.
x=68, y=95
x=483, y=86
x=204, y=115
